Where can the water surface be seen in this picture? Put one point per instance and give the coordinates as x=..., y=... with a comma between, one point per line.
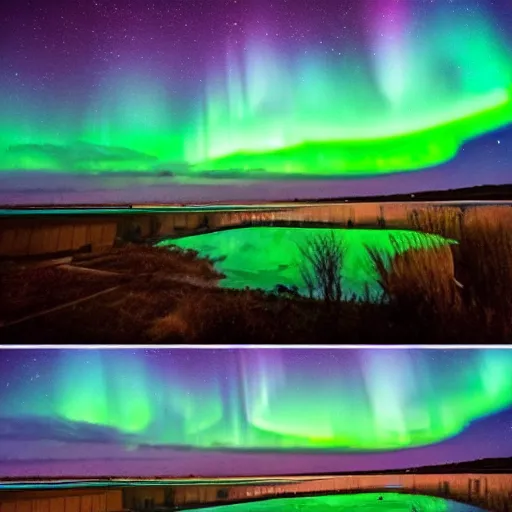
x=262, y=257
x=363, y=502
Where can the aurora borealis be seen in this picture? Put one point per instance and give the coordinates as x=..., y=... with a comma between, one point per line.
x=226, y=91
x=365, y=408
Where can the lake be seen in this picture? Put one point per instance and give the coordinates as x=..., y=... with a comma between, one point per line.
x=263, y=257
x=363, y=502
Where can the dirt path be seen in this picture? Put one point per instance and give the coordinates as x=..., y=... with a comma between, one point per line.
x=60, y=307
x=180, y=279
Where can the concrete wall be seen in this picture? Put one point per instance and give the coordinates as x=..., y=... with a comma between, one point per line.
x=39, y=235
x=45, y=235
x=24, y=238
x=72, y=500
x=491, y=492
x=362, y=214
x=392, y=215
x=36, y=236
x=162, y=223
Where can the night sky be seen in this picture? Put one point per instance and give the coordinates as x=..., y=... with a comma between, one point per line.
x=217, y=412
x=195, y=100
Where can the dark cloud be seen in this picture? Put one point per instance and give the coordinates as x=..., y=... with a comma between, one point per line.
x=35, y=428
x=165, y=174
x=36, y=191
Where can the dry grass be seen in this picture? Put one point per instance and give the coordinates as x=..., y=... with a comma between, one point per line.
x=481, y=262
x=484, y=267
x=173, y=324
x=419, y=281
x=137, y=259
x=27, y=291
x=248, y=316
x=215, y=315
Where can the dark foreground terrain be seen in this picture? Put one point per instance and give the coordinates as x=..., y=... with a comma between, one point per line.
x=138, y=306
x=452, y=294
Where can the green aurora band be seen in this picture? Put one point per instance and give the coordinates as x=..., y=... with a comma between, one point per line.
x=406, y=103
x=245, y=399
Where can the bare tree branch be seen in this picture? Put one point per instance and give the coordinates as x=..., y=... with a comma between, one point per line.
x=320, y=266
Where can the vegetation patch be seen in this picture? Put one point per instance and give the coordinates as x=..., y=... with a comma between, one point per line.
x=437, y=294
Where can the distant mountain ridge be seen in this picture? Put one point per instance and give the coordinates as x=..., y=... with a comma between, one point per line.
x=477, y=193
x=491, y=465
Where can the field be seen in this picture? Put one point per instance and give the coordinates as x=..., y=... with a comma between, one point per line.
x=440, y=294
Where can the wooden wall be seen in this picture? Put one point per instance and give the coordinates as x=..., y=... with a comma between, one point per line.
x=491, y=492
x=47, y=236
x=72, y=500
x=22, y=238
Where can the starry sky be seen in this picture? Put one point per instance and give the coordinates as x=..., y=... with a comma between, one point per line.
x=250, y=411
x=194, y=100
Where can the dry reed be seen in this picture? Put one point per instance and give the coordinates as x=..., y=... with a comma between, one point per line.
x=418, y=280
x=482, y=265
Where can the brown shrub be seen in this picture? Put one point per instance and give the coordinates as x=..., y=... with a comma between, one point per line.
x=137, y=259
x=320, y=266
x=172, y=324
x=420, y=280
x=217, y=315
x=482, y=265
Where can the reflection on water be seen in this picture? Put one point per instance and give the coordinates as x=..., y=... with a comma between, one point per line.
x=262, y=257
x=365, y=502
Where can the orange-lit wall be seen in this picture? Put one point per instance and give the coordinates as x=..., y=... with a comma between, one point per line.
x=38, y=235
x=72, y=500
x=493, y=492
x=22, y=238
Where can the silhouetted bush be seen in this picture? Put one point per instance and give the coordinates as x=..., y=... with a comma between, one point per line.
x=320, y=266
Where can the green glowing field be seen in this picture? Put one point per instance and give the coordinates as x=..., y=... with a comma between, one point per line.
x=365, y=502
x=262, y=257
